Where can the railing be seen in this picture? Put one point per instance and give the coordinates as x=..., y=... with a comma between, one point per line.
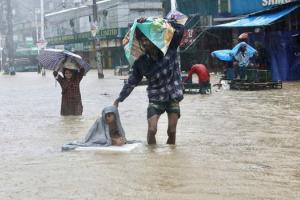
x=201, y=30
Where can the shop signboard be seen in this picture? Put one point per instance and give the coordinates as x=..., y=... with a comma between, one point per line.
x=108, y=33
x=68, y=39
x=112, y=33
x=239, y=7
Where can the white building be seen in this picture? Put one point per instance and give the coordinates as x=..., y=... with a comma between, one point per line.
x=71, y=28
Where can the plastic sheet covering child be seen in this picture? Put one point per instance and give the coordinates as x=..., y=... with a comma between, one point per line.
x=106, y=131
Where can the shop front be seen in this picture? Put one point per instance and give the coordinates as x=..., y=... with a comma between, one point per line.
x=108, y=47
x=276, y=30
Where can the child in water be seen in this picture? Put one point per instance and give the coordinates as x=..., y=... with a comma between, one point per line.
x=71, y=98
x=107, y=130
x=116, y=138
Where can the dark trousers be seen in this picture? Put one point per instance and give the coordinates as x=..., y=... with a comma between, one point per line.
x=242, y=72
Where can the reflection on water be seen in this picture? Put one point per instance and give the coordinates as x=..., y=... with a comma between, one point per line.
x=230, y=145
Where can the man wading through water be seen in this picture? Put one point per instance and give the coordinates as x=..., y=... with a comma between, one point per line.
x=165, y=89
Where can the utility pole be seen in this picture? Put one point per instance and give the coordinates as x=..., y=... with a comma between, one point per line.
x=42, y=31
x=42, y=21
x=173, y=5
x=173, y=8
x=10, y=38
x=1, y=34
x=97, y=59
x=36, y=12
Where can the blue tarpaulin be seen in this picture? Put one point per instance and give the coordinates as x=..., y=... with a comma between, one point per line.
x=228, y=54
x=285, y=63
x=250, y=49
x=224, y=55
x=263, y=19
x=283, y=57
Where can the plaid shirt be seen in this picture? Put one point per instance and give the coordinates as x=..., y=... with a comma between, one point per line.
x=163, y=75
x=71, y=98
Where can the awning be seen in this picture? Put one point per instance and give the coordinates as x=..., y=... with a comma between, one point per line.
x=262, y=19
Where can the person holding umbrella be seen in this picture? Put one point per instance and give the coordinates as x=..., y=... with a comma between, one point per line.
x=73, y=68
x=71, y=97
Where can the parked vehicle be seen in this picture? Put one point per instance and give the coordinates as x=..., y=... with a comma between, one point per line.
x=26, y=65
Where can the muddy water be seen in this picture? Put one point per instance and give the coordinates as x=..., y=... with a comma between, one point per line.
x=230, y=145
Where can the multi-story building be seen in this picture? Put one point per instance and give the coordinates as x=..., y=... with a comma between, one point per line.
x=71, y=28
x=26, y=18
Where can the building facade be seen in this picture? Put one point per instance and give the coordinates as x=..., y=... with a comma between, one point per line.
x=273, y=26
x=71, y=28
x=207, y=39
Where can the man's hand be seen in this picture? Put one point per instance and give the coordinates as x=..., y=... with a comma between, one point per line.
x=141, y=19
x=116, y=103
x=55, y=73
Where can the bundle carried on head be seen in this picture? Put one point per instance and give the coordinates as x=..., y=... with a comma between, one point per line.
x=157, y=30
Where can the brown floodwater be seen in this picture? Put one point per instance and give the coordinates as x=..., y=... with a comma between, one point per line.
x=230, y=144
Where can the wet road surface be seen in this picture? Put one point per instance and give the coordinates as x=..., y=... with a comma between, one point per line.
x=230, y=144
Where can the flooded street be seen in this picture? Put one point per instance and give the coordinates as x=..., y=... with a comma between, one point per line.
x=230, y=144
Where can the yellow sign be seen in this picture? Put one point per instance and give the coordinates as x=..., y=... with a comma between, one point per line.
x=112, y=32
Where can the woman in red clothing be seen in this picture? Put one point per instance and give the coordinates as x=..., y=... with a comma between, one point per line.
x=202, y=73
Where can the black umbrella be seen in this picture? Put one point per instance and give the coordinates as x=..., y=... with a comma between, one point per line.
x=52, y=59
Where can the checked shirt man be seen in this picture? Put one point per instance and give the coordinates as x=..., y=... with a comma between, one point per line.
x=165, y=88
